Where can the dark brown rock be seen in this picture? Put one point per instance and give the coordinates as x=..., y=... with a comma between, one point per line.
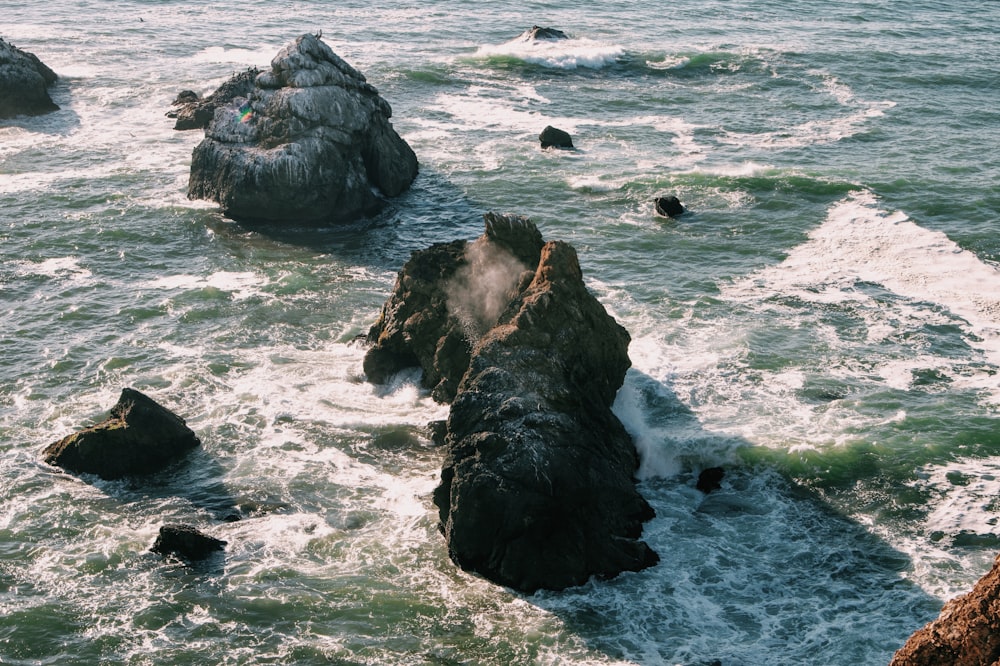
x=24, y=83
x=537, y=489
x=186, y=542
x=669, y=206
x=139, y=437
x=966, y=633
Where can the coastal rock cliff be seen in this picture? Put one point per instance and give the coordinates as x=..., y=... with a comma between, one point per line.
x=966, y=633
x=537, y=488
x=24, y=82
x=311, y=142
x=139, y=437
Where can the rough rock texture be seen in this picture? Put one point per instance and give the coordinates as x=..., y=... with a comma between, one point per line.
x=193, y=112
x=966, y=633
x=552, y=137
x=186, y=542
x=139, y=437
x=24, y=83
x=537, y=32
x=537, y=489
x=312, y=142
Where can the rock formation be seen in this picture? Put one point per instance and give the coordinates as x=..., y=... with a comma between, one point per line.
x=312, y=142
x=539, y=33
x=193, y=112
x=186, y=542
x=966, y=633
x=139, y=437
x=552, y=137
x=537, y=489
x=24, y=83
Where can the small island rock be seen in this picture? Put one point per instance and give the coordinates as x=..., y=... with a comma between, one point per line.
x=552, y=137
x=24, y=82
x=139, y=437
x=537, y=489
x=311, y=143
x=669, y=206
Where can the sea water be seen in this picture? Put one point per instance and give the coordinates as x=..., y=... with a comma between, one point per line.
x=824, y=324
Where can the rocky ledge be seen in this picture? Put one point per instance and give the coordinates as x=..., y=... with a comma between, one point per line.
x=537, y=488
x=24, y=83
x=966, y=633
x=310, y=143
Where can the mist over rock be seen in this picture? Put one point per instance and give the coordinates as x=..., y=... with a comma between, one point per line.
x=24, y=82
x=139, y=437
x=310, y=143
x=966, y=633
x=537, y=488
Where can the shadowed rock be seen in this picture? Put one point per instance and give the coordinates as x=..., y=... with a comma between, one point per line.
x=311, y=143
x=24, y=83
x=555, y=138
x=539, y=33
x=186, y=542
x=537, y=489
x=710, y=479
x=193, y=112
x=966, y=633
x=669, y=206
x=139, y=437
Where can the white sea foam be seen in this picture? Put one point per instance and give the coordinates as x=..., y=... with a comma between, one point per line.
x=260, y=56
x=557, y=53
x=240, y=285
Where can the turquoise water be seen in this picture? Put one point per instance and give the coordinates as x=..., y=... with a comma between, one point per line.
x=825, y=324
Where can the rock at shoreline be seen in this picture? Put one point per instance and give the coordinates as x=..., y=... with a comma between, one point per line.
x=310, y=143
x=552, y=137
x=537, y=489
x=186, y=543
x=966, y=633
x=139, y=437
x=669, y=206
x=24, y=82
x=193, y=112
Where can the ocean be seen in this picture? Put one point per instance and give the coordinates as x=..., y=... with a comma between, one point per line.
x=824, y=324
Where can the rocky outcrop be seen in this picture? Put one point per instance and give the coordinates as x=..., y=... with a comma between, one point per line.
x=540, y=33
x=139, y=437
x=311, y=143
x=552, y=137
x=186, y=542
x=24, y=83
x=194, y=112
x=966, y=633
x=537, y=489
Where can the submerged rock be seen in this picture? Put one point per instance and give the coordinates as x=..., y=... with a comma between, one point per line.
x=311, y=142
x=193, y=112
x=537, y=489
x=966, y=633
x=24, y=82
x=186, y=542
x=552, y=137
x=139, y=437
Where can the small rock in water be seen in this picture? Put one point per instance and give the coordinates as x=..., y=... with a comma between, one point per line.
x=538, y=32
x=710, y=479
x=669, y=206
x=555, y=138
x=186, y=542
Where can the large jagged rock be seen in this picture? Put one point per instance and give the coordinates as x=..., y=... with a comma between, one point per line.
x=537, y=489
x=966, y=633
x=139, y=437
x=24, y=83
x=194, y=112
x=311, y=143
